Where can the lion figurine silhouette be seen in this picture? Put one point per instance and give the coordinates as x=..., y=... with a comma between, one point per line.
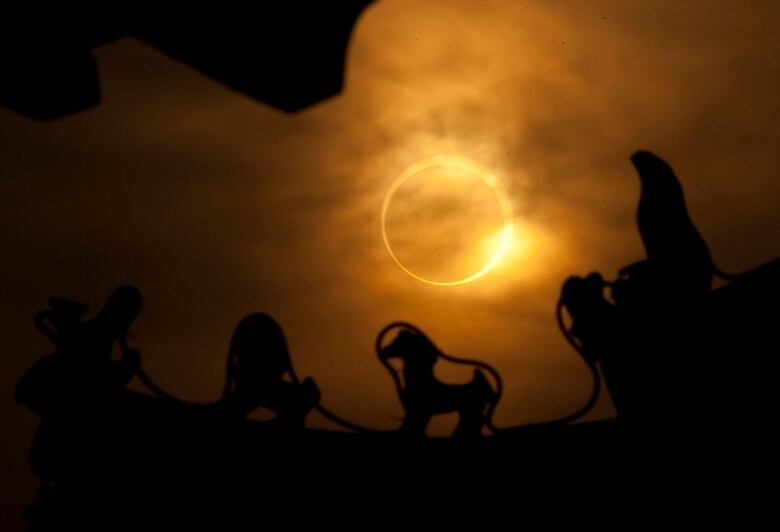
x=423, y=395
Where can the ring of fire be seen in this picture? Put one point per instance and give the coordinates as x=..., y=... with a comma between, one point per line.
x=461, y=163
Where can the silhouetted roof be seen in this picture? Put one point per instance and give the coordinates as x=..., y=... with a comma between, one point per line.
x=287, y=54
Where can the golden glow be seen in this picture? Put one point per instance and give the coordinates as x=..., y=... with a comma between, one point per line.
x=461, y=163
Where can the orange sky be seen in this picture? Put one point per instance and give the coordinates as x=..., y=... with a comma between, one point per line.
x=217, y=206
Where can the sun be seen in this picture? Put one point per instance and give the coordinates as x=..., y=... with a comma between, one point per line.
x=500, y=242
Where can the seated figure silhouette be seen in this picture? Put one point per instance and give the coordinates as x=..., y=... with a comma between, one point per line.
x=643, y=339
x=81, y=367
x=423, y=395
x=257, y=364
x=72, y=387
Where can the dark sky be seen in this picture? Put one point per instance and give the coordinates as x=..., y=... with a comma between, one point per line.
x=217, y=206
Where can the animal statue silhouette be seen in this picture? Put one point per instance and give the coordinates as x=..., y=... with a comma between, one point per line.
x=258, y=361
x=678, y=263
x=423, y=395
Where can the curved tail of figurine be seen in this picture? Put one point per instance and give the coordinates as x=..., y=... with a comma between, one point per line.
x=338, y=420
x=574, y=416
x=349, y=424
x=769, y=268
x=162, y=394
x=727, y=276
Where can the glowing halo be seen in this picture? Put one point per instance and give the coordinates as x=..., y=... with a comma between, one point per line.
x=461, y=163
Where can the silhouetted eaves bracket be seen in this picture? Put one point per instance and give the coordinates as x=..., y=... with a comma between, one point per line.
x=289, y=55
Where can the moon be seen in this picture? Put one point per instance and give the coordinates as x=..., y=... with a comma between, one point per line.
x=487, y=177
